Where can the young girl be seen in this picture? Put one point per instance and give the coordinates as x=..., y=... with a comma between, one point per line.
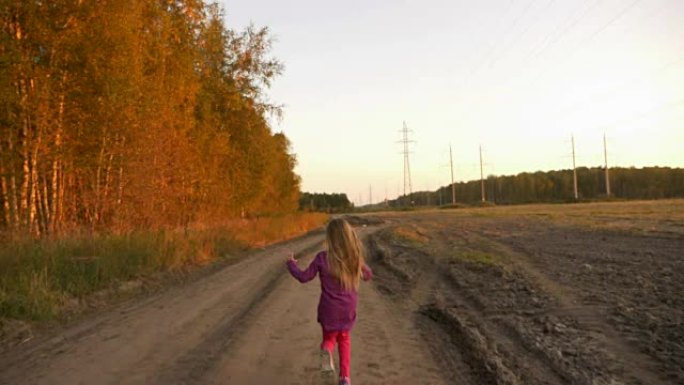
x=340, y=269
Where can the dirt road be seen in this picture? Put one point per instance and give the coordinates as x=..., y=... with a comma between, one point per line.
x=249, y=323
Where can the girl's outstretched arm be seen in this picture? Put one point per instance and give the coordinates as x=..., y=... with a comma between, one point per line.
x=306, y=275
x=366, y=272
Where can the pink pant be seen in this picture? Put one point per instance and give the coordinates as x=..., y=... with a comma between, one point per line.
x=344, y=345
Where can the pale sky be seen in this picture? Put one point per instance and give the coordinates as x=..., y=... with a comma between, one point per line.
x=517, y=77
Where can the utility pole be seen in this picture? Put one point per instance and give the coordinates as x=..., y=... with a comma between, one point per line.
x=574, y=168
x=407, y=167
x=453, y=186
x=482, y=176
x=605, y=155
x=370, y=195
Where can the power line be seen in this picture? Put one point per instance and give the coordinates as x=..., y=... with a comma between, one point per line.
x=611, y=22
x=487, y=57
x=511, y=27
x=521, y=34
x=564, y=27
x=474, y=70
x=572, y=23
x=597, y=32
x=585, y=41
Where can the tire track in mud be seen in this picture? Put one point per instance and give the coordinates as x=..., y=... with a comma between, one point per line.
x=505, y=317
x=490, y=345
x=620, y=359
x=469, y=345
x=637, y=367
x=564, y=317
x=411, y=290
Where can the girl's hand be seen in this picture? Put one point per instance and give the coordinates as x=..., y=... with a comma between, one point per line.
x=291, y=257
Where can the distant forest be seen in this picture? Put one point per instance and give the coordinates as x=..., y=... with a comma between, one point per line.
x=537, y=187
x=323, y=202
x=127, y=114
x=557, y=186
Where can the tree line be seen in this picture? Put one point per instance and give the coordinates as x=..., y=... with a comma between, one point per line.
x=324, y=202
x=124, y=114
x=557, y=186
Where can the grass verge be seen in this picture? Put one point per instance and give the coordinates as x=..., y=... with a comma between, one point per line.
x=41, y=279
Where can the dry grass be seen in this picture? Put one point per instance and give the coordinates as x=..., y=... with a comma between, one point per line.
x=665, y=216
x=39, y=279
x=263, y=231
x=629, y=216
x=410, y=234
x=477, y=257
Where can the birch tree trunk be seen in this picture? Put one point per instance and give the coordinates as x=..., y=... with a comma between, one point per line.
x=5, y=195
x=26, y=168
x=54, y=216
x=36, y=136
x=13, y=198
x=120, y=188
x=44, y=205
x=33, y=192
x=98, y=182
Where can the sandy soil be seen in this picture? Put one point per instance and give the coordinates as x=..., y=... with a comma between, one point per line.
x=249, y=323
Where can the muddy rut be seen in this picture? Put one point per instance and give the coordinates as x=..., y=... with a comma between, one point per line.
x=516, y=301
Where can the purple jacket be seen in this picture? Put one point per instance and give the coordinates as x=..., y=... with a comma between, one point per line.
x=336, y=307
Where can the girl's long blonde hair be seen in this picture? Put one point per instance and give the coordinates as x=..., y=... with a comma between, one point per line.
x=345, y=254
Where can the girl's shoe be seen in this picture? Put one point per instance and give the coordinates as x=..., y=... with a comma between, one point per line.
x=327, y=364
x=345, y=381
